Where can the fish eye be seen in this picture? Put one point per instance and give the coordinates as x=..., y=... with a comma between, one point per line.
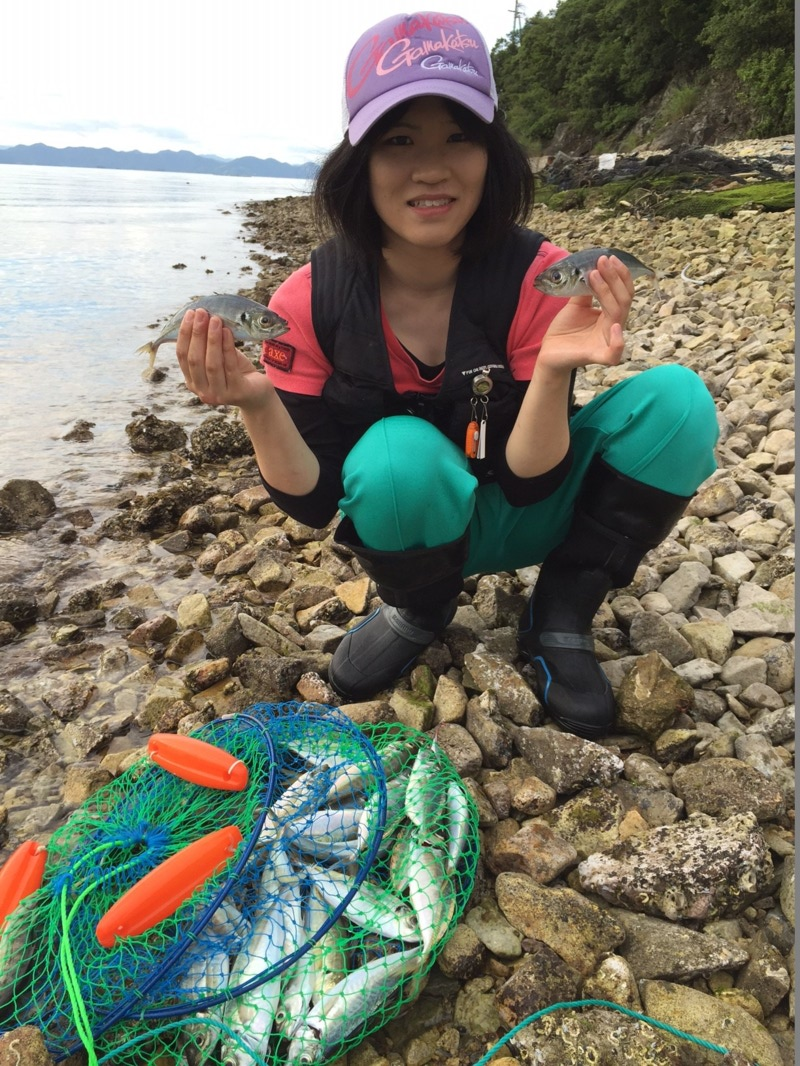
x=557, y=276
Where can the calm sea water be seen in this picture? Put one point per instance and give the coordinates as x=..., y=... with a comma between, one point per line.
x=86, y=263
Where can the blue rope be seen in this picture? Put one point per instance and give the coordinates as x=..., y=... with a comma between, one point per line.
x=571, y=1004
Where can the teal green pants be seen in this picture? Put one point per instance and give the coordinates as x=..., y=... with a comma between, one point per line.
x=407, y=486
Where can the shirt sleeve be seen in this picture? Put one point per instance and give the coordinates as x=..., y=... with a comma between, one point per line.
x=296, y=366
x=535, y=312
x=295, y=362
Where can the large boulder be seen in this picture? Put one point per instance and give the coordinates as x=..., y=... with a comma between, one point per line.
x=151, y=434
x=218, y=438
x=17, y=605
x=24, y=505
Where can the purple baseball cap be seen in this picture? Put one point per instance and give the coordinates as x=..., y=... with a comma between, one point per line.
x=424, y=54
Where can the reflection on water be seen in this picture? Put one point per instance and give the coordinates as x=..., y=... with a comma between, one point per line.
x=86, y=264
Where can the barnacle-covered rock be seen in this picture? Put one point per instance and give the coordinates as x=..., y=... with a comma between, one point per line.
x=701, y=868
x=596, y=1035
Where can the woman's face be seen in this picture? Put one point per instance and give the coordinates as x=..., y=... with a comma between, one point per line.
x=426, y=177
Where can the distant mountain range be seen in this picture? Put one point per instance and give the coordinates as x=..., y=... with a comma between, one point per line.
x=42, y=155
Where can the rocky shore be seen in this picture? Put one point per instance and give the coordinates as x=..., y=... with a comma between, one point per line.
x=654, y=870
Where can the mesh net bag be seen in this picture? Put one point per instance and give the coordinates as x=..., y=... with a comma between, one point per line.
x=55, y=972
x=357, y=855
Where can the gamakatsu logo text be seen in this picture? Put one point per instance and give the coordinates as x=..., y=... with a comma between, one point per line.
x=401, y=53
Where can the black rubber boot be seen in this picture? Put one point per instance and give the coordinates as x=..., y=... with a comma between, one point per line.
x=617, y=521
x=419, y=589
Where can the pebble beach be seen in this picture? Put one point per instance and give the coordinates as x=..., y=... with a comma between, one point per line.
x=655, y=869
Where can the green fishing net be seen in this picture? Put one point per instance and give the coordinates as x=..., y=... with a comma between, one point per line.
x=358, y=855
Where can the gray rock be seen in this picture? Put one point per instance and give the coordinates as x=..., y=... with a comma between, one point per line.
x=743, y=670
x=765, y=975
x=650, y=632
x=17, y=605
x=656, y=948
x=270, y=676
x=158, y=512
x=566, y=762
x=449, y=700
x=756, y=750
x=151, y=434
x=460, y=747
x=761, y=697
x=197, y=519
x=493, y=930
x=715, y=498
x=698, y=671
x=517, y=789
x=656, y=806
x=67, y=699
x=475, y=1008
x=683, y=588
x=697, y=869
x=762, y=619
x=734, y=567
x=82, y=738
x=15, y=716
x=515, y=698
x=778, y=726
x=24, y=505
x=217, y=439
x=488, y=732
x=225, y=639
x=720, y=541
x=722, y=787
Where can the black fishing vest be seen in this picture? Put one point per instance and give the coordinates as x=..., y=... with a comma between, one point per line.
x=346, y=313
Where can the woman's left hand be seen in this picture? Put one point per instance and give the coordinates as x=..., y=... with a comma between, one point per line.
x=582, y=333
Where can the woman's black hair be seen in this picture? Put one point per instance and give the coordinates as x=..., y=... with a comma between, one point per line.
x=341, y=199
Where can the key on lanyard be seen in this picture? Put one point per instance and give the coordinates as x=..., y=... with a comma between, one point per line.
x=476, y=431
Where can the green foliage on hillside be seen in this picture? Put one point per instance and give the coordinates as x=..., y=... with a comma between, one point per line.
x=595, y=64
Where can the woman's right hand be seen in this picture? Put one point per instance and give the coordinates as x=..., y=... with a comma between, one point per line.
x=213, y=367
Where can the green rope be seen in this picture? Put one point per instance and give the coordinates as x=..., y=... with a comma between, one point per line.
x=571, y=1004
x=69, y=974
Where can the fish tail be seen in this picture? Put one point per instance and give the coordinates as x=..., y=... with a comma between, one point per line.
x=148, y=349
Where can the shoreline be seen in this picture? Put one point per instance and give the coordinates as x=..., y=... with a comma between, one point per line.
x=227, y=602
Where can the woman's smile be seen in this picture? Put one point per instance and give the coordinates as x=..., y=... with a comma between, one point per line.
x=426, y=177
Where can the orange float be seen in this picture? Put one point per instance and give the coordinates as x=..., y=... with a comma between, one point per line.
x=20, y=875
x=198, y=761
x=160, y=892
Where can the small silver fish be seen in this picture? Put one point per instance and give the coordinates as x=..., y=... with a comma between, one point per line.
x=248, y=321
x=567, y=277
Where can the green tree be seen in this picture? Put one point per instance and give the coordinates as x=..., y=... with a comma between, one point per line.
x=754, y=39
x=594, y=64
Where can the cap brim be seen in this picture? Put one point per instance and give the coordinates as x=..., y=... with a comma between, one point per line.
x=473, y=99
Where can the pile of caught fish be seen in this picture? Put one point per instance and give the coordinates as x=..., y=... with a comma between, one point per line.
x=347, y=858
x=367, y=945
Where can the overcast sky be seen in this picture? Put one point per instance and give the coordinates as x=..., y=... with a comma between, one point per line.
x=232, y=78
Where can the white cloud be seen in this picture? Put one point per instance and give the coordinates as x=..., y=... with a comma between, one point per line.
x=240, y=78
